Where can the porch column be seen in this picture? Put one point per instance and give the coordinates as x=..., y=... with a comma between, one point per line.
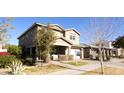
x=90, y=53
x=82, y=53
x=111, y=52
x=108, y=52
x=69, y=49
x=90, y=50
x=104, y=54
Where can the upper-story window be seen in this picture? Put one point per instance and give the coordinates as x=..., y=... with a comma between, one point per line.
x=72, y=37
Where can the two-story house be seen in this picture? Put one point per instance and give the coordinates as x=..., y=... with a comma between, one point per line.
x=67, y=42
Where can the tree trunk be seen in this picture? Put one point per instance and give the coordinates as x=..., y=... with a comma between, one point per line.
x=47, y=58
x=102, y=66
x=101, y=59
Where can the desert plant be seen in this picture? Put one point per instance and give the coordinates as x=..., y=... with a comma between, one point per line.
x=16, y=67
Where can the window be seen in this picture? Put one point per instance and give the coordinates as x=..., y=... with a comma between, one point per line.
x=72, y=37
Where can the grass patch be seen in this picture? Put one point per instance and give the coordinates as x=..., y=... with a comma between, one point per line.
x=79, y=63
x=108, y=71
x=42, y=70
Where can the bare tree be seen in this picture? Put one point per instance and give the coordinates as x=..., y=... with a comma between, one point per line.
x=4, y=25
x=101, y=30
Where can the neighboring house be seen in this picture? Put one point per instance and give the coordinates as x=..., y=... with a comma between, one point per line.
x=2, y=49
x=121, y=52
x=92, y=51
x=67, y=42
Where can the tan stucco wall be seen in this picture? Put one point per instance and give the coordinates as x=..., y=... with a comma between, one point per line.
x=61, y=42
x=67, y=36
x=57, y=33
x=39, y=27
x=55, y=27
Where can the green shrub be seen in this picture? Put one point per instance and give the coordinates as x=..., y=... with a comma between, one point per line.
x=65, y=57
x=6, y=60
x=14, y=50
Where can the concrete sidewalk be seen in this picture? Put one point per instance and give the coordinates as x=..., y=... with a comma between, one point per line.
x=73, y=70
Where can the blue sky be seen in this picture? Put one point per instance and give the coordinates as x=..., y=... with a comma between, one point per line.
x=81, y=24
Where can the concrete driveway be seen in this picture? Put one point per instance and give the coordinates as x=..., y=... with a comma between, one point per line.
x=73, y=70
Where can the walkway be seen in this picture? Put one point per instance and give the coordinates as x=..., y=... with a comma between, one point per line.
x=73, y=70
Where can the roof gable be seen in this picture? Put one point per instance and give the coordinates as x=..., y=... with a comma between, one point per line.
x=57, y=27
x=72, y=29
x=62, y=42
x=53, y=26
